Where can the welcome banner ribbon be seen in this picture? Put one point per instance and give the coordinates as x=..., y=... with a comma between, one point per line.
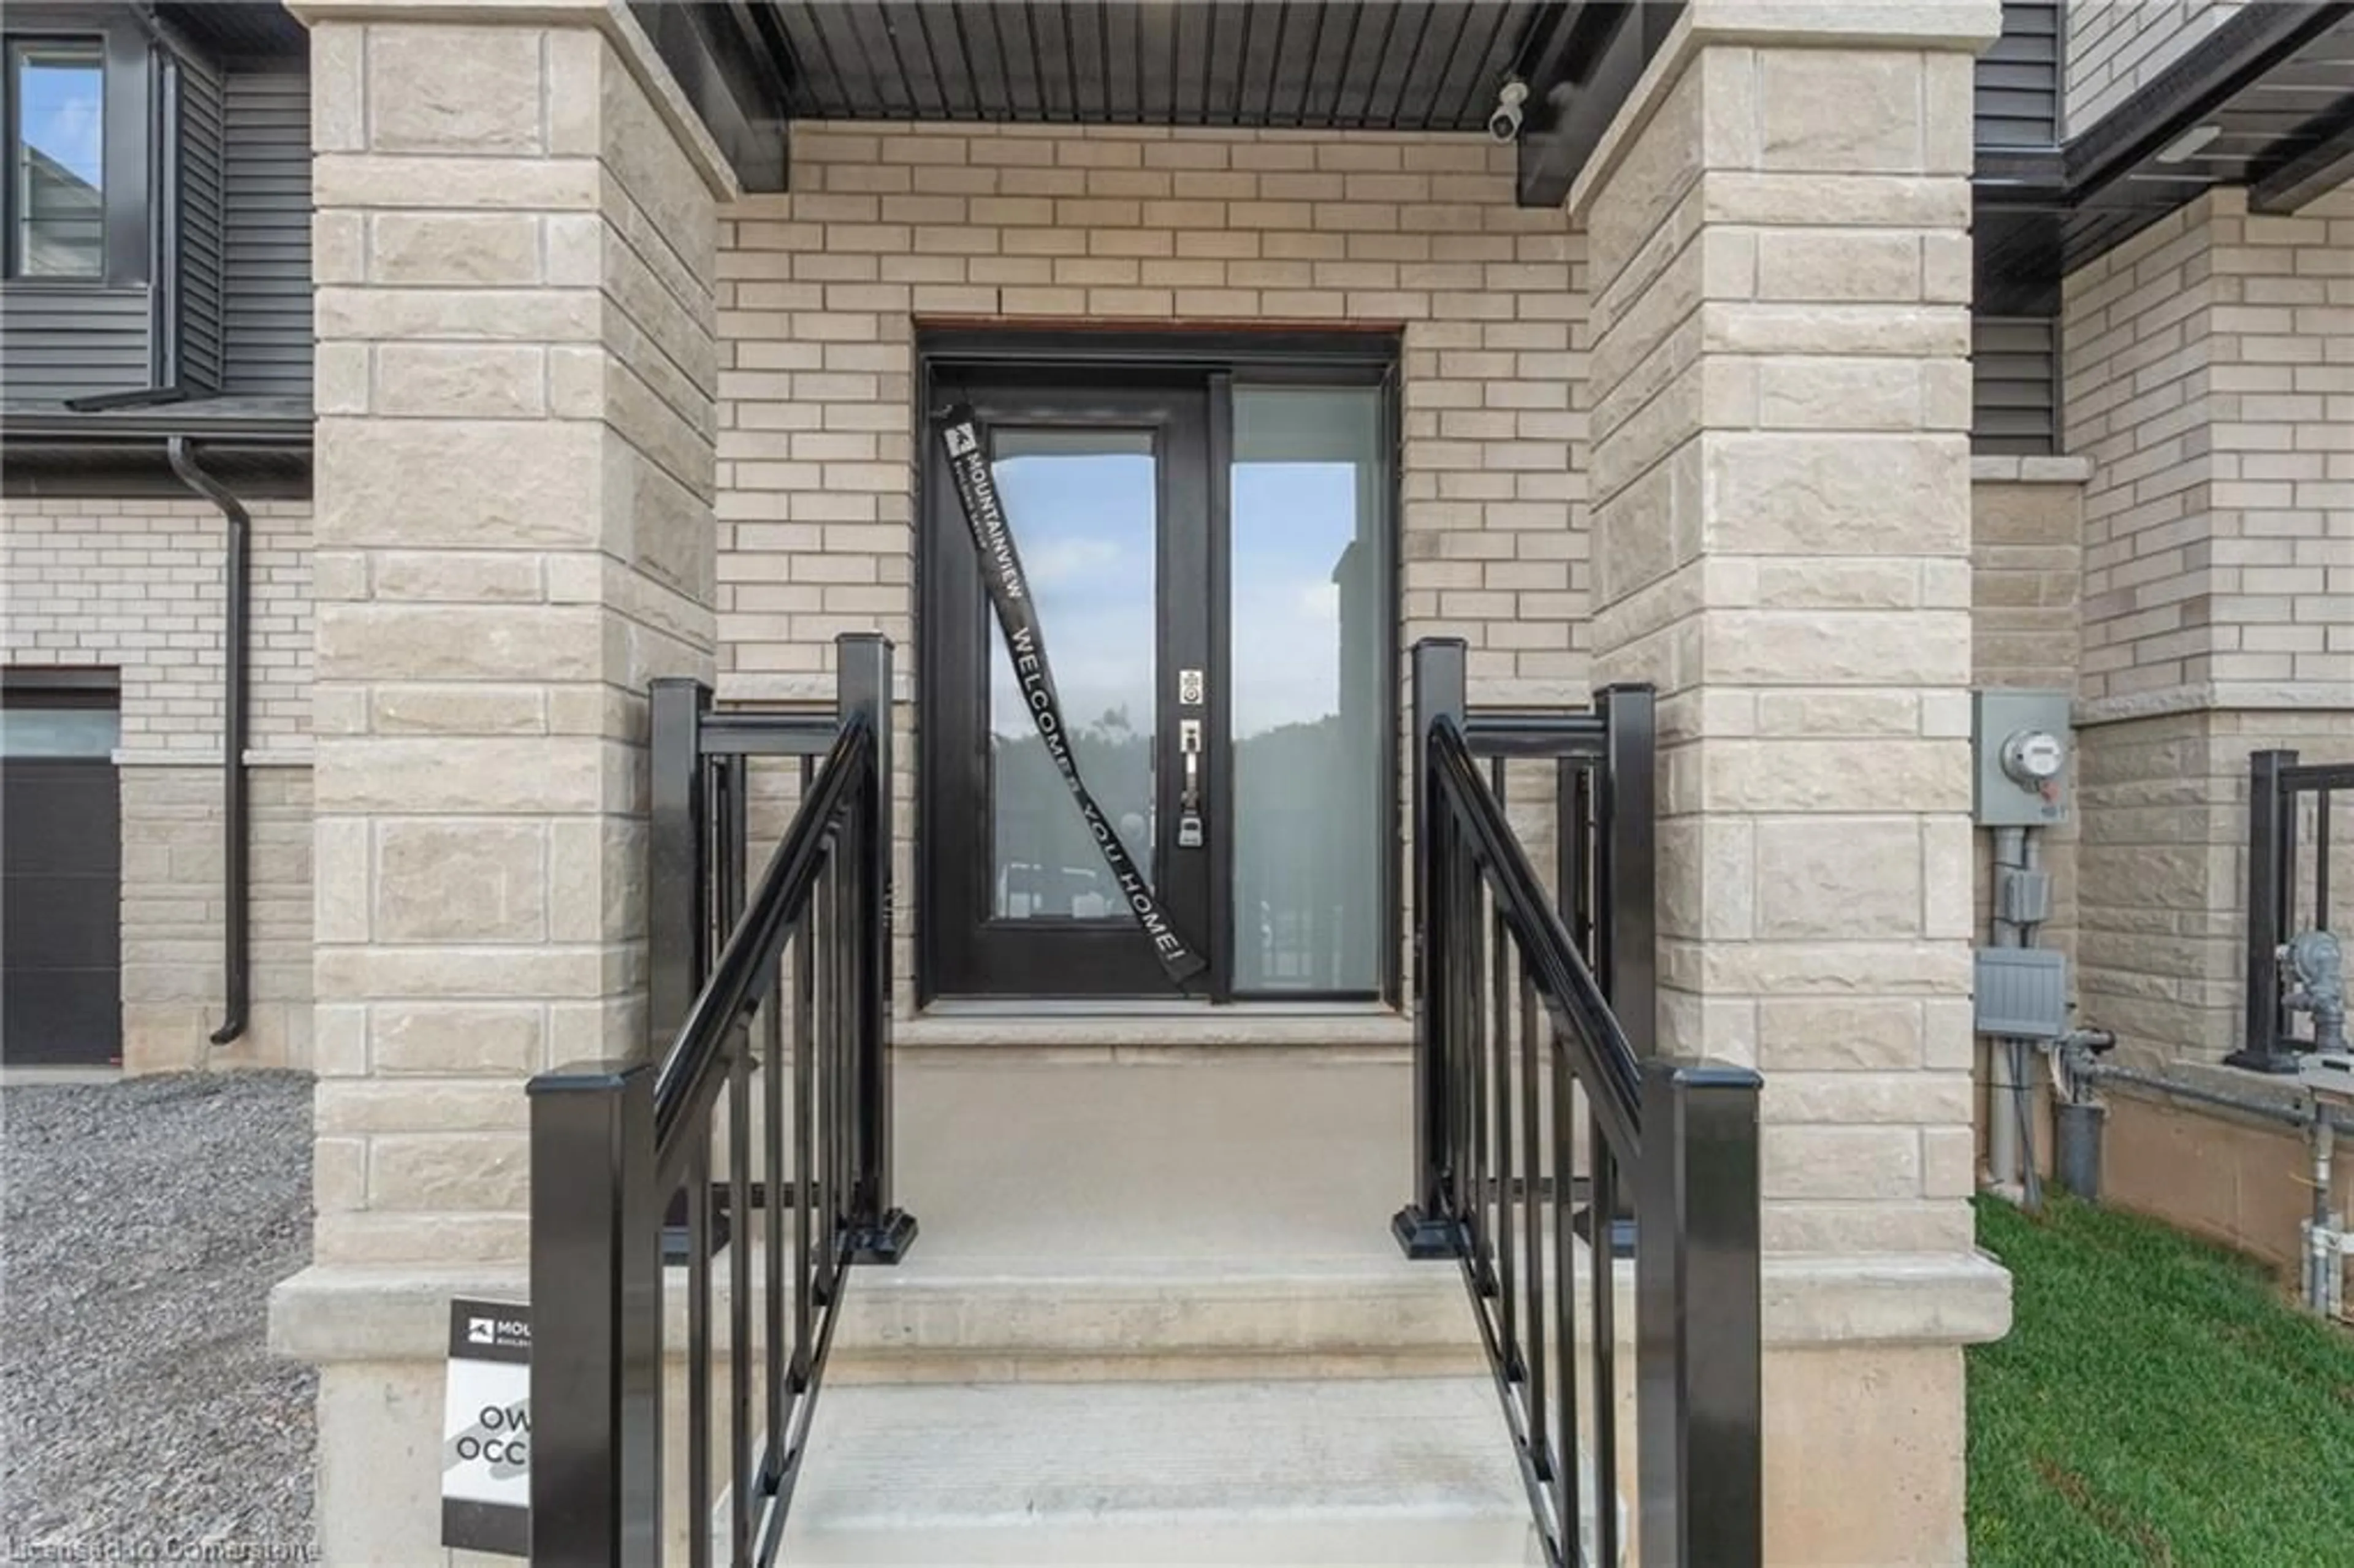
x=1025, y=645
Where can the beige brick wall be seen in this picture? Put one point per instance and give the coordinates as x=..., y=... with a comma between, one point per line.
x=2210, y=381
x=2115, y=46
x=137, y=585
x=820, y=291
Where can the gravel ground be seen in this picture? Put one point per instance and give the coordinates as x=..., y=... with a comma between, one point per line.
x=146, y=1223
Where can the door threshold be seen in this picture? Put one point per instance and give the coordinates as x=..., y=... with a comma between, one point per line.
x=1143, y=1006
x=1103, y=1031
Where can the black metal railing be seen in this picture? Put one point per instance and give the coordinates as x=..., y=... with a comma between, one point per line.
x=1532, y=1097
x=779, y=1187
x=2289, y=805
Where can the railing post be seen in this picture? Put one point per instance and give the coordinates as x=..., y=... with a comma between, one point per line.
x=676, y=957
x=2271, y=828
x=1699, y=1391
x=596, y=1297
x=1628, y=938
x=1422, y=1227
x=863, y=690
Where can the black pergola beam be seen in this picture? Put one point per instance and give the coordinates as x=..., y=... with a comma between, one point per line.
x=2318, y=169
x=1582, y=61
x=731, y=68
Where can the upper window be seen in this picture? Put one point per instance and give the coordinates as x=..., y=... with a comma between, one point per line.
x=56, y=162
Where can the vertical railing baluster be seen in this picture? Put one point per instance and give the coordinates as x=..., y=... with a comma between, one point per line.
x=822, y=954
x=1475, y=1078
x=1500, y=1039
x=698, y=1351
x=1567, y=1477
x=1605, y=1348
x=1582, y=833
x=675, y=957
x=1532, y=1209
x=778, y=1363
x=2321, y=860
x=840, y=1023
x=742, y=1497
x=803, y=949
x=1458, y=1077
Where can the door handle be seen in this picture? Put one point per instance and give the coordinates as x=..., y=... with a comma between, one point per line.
x=1189, y=798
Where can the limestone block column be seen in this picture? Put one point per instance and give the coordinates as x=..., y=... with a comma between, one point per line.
x=515, y=238
x=1780, y=399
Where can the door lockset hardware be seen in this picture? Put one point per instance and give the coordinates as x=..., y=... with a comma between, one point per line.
x=1188, y=799
x=1190, y=688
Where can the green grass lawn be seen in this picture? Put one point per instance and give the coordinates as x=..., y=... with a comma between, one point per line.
x=2158, y=1401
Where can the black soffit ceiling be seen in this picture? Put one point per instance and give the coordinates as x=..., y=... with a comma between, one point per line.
x=752, y=67
x=2266, y=101
x=1387, y=67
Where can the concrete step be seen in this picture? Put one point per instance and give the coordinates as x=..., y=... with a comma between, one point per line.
x=1365, y=1473
x=1201, y=1218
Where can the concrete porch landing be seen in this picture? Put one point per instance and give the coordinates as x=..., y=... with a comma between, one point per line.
x=1092, y=1219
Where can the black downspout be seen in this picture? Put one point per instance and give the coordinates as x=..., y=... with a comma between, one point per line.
x=235, y=810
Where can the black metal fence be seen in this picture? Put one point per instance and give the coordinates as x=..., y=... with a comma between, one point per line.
x=1539, y=1103
x=2289, y=890
x=784, y=1183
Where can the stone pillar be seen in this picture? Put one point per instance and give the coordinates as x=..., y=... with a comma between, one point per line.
x=514, y=245
x=1780, y=399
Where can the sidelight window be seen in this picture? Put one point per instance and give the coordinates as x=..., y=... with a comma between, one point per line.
x=1310, y=637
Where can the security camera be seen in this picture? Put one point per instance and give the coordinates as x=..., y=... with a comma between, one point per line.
x=1504, y=120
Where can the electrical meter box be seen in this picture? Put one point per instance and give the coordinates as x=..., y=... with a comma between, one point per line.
x=2023, y=747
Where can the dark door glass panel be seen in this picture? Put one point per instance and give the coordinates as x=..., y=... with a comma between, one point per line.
x=1082, y=507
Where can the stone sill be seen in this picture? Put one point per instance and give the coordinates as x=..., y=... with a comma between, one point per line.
x=2217, y=696
x=1988, y=469
x=255, y=756
x=1808, y=1301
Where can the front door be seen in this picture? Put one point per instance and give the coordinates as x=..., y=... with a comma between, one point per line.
x=1205, y=560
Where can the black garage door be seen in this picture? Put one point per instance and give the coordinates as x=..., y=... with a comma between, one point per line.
x=60, y=870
